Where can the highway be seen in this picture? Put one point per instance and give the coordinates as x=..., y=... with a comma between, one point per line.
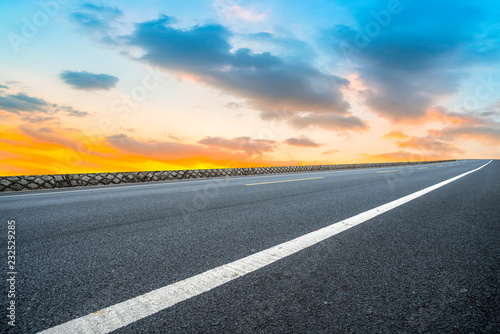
x=401, y=260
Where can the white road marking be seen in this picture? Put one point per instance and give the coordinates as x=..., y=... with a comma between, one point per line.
x=129, y=311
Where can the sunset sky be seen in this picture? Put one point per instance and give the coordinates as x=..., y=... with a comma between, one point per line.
x=157, y=85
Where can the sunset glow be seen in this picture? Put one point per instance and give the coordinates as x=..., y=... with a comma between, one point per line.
x=128, y=86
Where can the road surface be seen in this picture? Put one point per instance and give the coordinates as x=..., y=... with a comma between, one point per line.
x=428, y=262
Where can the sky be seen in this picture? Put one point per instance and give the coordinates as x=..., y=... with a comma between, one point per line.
x=159, y=85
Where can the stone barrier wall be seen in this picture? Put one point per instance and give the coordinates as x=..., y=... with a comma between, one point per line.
x=33, y=182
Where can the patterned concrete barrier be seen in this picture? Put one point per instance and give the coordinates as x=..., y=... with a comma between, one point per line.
x=33, y=182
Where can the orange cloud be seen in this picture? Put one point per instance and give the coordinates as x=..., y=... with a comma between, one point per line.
x=31, y=151
x=332, y=151
x=402, y=156
x=444, y=116
x=400, y=135
x=215, y=151
x=488, y=135
x=429, y=144
x=188, y=77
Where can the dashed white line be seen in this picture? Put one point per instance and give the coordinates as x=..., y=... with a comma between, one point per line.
x=129, y=311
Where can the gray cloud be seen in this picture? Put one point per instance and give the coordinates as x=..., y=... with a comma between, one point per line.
x=420, y=55
x=402, y=96
x=46, y=130
x=330, y=122
x=89, y=81
x=302, y=142
x=73, y=112
x=245, y=144
x=488, y=134
x=278, y=87
x=34, y=109
x=38, y=119
x=430, y=144
x=17, y=103
x=287, y=47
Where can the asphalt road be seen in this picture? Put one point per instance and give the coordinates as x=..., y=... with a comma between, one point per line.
x=430, y=265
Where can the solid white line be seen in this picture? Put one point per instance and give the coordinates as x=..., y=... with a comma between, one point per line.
x=129, y=311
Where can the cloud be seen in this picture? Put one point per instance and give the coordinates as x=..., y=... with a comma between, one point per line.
x=98, y=21
x=445, y=116
x=481, y=126
x=302, y=142
x=34, y=109
x=47, y=150
x=234, y=105
x=171, y=136
x=89, y=81
x=401, y=156
x=332, y=151
x=287, y=47
x=245, y=144
x=330, y=122
x=276, y=86
x=412, y=59
x=46, y=135
x=154, y=148
x=395, y=135
x=240, y=12
x=494, y=107
x=4, y=87
x=215, y=151
x=112, y=11
x=127, y=129
x=46, y=130
x=70, y=111
x=17, y=103
x=39, y=119
x=230, y=10
x=486, y=134
x=430, y=144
